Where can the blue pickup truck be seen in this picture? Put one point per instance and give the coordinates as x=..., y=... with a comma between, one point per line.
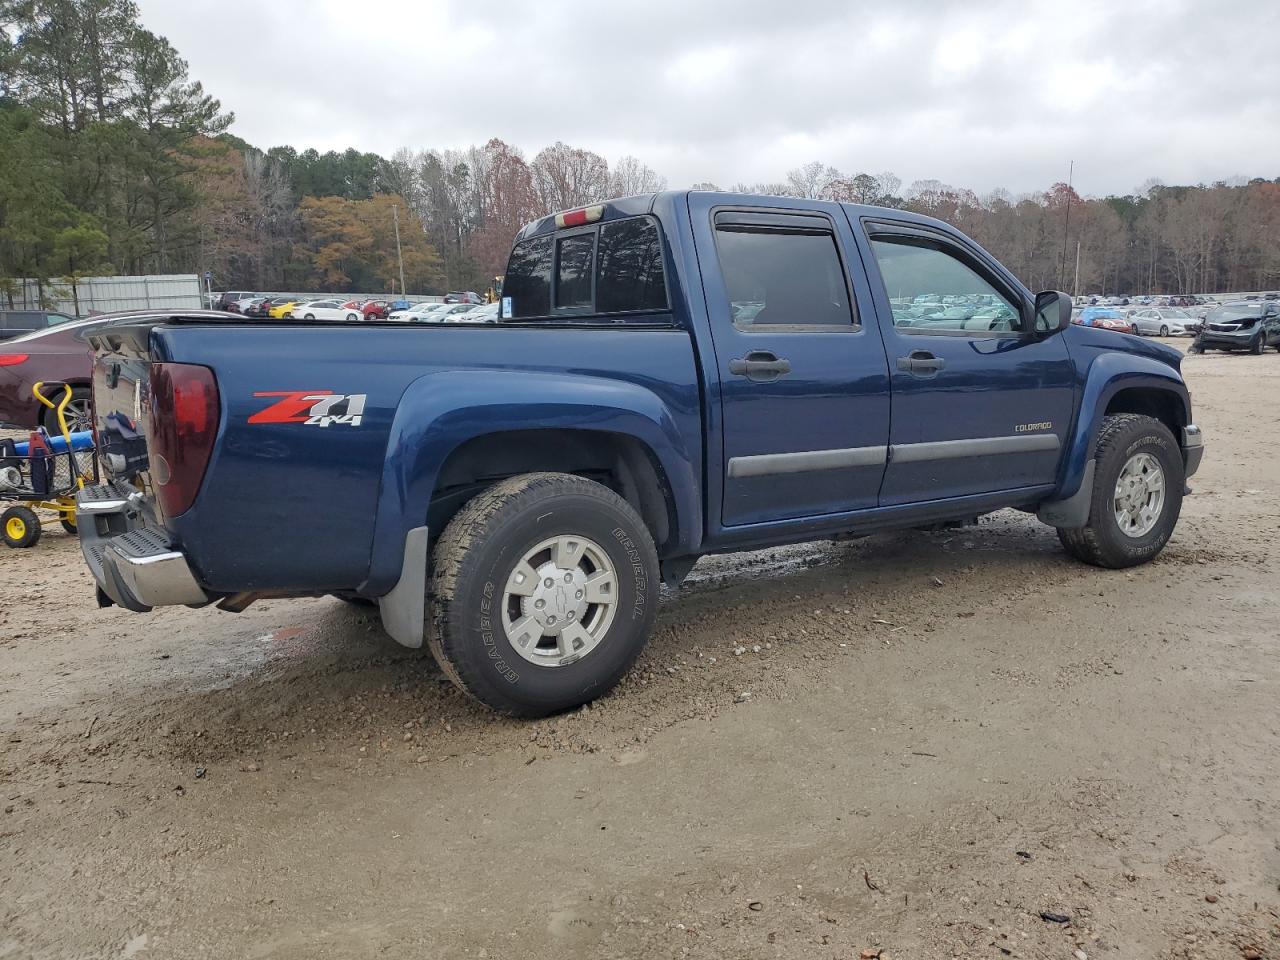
x=673, y=375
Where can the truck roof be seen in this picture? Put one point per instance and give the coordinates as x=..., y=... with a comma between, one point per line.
x=620, y=207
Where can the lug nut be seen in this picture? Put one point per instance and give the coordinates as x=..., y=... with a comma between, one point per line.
x=548, y=582
x=578, y=595
x=539, y=604
x=568, y=578
x=551, y=618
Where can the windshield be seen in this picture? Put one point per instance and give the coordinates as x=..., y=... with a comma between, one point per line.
x=1234, y=311
x=1176, y=315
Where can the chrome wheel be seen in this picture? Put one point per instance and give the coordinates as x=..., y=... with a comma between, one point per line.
x=79, y=415
x=1139, y=496
x=560, y=600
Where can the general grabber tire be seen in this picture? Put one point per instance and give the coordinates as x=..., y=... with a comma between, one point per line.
x=1128, y=523
x=543, y=591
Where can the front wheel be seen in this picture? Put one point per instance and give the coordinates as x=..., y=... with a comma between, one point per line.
x=309, y=316
x=1259, y=345
x=1137, y=494
x=1164, y=330
x=544, y=590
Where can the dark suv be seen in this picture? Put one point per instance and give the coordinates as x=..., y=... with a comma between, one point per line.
x=14, y=323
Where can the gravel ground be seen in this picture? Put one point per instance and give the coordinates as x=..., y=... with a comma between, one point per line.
x=948, y=744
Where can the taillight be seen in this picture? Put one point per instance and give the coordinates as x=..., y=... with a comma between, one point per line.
x=183, y=421
x=12, y=359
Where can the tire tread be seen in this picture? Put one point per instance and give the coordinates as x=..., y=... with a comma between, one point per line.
x=472, y=526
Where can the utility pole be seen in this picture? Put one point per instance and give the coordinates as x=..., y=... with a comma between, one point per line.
x=395, y=214
x=1066, y=226
x=1075, y=284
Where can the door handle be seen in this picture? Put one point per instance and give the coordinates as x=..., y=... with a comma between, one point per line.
x=759, y=365
x=921, y=363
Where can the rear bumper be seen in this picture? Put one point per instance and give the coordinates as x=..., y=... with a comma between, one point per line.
x=130, y=555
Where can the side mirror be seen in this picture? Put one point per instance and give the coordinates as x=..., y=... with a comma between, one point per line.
x=1053, y=312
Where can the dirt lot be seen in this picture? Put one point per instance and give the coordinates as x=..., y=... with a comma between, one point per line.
x=919, y=744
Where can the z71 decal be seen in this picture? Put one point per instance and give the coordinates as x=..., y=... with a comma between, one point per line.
x=314, y=408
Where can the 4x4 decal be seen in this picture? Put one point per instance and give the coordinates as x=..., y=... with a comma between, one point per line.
x=316, y=408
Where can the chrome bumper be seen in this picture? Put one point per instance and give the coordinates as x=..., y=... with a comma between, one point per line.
x=129, y=554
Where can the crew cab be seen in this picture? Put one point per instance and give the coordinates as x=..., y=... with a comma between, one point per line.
x=672, y=375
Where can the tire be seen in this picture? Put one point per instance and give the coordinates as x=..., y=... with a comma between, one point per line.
x=475, y=564
x=1259, y=345
x=1123, y=439
x=70, y=527
x=309, y=316
x=20, y=527
x=1164, y=330
x=352, y=317
x=79, y=413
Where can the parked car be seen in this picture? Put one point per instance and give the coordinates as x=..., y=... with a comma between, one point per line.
x=225, y=301
x=57, y=353
x=257, y=307
x=425, y=312
x=324, y=310
x=485, y=314
x=535, y=482
x=1104, y=318
x=1163, y=322
x=14, y=323
x=241, y=305
x=1251, y=325
x=284, y=307
x=464, y=296
x=375, y=310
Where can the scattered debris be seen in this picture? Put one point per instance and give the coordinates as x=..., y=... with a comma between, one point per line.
x=755, y=905
x=1023, y=854
x=866, y=878
x=743, y=697
x=200, y=772
x=1210, y=898
x=1054, y=917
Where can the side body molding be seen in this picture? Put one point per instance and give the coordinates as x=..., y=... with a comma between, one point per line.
x=1108, y=374
x=440, y=411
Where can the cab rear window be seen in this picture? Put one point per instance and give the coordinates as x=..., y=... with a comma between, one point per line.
x=622, y=257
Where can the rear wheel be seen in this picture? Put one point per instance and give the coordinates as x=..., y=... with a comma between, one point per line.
x=78, y=414
x=20, y=527
x=1259, y=345
x=1164, y=330
x=1137, y=494
x=544, y=590
x=309, y=316
x=352, y=317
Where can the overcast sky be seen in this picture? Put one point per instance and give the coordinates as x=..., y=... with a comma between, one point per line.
x=976, y=93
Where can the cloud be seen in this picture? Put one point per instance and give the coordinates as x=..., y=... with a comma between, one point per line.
x=1003, y=93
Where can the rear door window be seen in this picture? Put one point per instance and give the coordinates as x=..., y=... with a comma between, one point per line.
x=629, y=274
x=783, y=277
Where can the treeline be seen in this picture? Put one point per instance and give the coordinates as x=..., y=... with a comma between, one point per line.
x=112, y=160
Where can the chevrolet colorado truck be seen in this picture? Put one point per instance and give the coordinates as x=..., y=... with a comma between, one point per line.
x=672, y=375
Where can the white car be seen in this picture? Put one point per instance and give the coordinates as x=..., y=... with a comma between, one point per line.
x=324, y=310
x=1163, y=322
x=488, y=313
x=417, y=312
x=438, y=312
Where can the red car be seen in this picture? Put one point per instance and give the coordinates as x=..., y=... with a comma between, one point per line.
x=376, y=310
